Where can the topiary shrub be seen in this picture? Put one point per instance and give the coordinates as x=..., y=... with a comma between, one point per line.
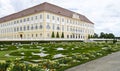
x=57, y=36
x=53, y=35
x=62, y=35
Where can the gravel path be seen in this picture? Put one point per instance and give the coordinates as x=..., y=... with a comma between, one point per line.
x=107, y=63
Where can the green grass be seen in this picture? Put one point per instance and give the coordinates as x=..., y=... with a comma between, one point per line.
x=75, y=53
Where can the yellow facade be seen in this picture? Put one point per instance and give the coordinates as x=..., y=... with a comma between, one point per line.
x=41, y=26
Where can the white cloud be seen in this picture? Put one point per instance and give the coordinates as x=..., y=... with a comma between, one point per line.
x=6, y=8
x=104, y=13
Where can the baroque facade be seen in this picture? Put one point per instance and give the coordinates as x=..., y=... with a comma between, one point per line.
x=45, y=21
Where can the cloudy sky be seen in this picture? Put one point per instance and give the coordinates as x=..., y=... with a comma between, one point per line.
x=104, y=13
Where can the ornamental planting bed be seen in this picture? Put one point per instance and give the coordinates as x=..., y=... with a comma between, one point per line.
x=51, y=56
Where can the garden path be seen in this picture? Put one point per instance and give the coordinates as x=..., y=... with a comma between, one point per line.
x=110, y=62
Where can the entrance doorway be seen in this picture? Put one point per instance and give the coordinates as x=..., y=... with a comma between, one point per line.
x=21, y=36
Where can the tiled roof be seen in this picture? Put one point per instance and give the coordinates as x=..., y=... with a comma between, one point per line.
x=44, y=7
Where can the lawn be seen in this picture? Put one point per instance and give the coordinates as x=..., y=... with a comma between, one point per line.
x=53, y=56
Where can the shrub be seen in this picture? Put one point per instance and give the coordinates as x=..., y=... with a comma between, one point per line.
x=53, y=35
x=62, y=36
x=57, y=36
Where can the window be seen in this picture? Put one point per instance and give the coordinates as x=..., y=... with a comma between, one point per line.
x=36, y=27
x=41, y=27
x=32, y=27
x=31, y=18
x=24, y=28
x=73, y=35
x=14, y=29
x=67, y=36
x=79, y=36
x=32, y=35
x=76, y=30
x=67, y=21
x=40, y=34
x=53, y=26
x=36, y=17
x=70, y=36
x=40, y=16
x=76, y=36
x=27, y=27
x=62, y=19
x=63, y=27
x=14, y=22
x=57, y=18
x=36, y=35
x=20, y=28
x=58, y=28
x=21, y=21
x=17, y=21
x=17, y=28
x=53, y=17
x=48, y=17
x=48, y=26
x=27, y=19
x=24, y=20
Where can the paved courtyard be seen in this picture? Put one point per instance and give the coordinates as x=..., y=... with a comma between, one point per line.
x=107, y=63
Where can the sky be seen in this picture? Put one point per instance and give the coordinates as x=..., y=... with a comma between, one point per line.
x=105, y=14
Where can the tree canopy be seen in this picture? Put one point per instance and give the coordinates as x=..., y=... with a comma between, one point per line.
x=102, y=35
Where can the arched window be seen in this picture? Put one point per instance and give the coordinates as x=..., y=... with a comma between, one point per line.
x=67, y=36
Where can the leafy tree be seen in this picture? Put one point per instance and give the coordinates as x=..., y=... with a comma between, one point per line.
x=107, y=35
x=53, y=35
x=95, y=35
x=62, y=35
x=111, y=35
x=89, y=36
x=102, y=35
x=57, y=36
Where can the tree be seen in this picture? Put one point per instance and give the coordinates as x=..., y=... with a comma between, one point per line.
x=57, y=36
x=111, y=35
x=107, y=35
x=102, y=35
x=62, y=36
x=95, y=35
x=89, y=36
x=53, y=35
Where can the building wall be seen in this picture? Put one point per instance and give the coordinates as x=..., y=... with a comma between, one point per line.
x=41, y=25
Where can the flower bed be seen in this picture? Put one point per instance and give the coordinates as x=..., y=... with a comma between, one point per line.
x=52, y=56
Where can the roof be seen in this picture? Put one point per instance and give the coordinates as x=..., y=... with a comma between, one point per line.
x=44, y=7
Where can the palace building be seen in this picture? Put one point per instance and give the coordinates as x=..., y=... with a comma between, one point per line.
x=46, y=21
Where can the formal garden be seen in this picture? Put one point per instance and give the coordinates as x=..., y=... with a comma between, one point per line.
x=51, y=56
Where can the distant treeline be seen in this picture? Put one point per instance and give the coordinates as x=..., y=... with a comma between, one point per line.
x=104, y=35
